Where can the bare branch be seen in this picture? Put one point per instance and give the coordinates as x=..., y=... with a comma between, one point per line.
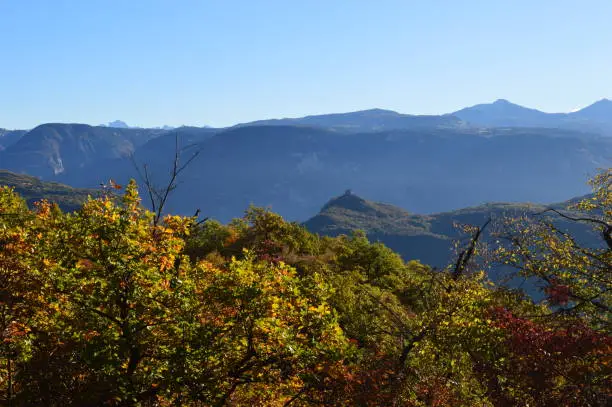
x=466, y=255
x=607, y=228
x=159, y=196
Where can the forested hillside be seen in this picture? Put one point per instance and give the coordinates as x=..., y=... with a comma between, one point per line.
x=428, y=238
x=32, y=190
x=114, y=305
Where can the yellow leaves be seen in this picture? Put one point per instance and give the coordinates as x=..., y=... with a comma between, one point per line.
x=320, y=310
x=177, y=224
x=107, y=204
x=84, y=264
x=206, y=266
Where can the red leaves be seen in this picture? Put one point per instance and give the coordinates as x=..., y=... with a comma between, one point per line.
x=531, y=338
x=553, y=363
x=558, y=294
x=367, y=384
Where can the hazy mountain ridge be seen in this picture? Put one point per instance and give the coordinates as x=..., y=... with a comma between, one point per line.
x=366, y=120
x=9, y=137
x=596, y=117
x=295, y=169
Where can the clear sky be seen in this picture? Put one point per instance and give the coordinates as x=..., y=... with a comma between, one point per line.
x=220, y=62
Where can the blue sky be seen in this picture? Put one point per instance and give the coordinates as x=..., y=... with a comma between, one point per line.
x=220, y=62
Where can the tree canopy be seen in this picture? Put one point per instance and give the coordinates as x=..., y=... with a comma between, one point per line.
x=110, y=305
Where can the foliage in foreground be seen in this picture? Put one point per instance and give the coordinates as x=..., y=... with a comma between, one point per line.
x=104, y=306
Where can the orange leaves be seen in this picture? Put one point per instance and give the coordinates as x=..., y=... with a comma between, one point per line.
x=43, y=208
x=114, y=185
x=177, y=224
x=14, y=243
x=166, y=263
x=89, y=335
x=232, y=237
x=14, y=331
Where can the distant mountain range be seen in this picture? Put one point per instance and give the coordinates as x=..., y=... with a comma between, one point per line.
x=366, y=121
x=501, y=113
x=428, y=238
x=295, y=169
x=119, y=124
x=426, y=164
x=52, y=149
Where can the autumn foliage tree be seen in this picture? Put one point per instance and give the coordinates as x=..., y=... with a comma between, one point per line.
x=116, y=305
x=102, y=307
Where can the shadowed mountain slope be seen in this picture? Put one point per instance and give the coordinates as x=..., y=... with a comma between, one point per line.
x=55, y=148
x=9, y=137
x=32, y=190
x=294, y=170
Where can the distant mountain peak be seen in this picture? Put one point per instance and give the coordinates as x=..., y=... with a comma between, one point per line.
x=601, y=102
x=501, y=113
x=505, y=103
x=376, y=111
x=118, y=124
x=600, y=110
x=499, y=105
x=349, y=201
x=349, y=212
x=604, y=102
